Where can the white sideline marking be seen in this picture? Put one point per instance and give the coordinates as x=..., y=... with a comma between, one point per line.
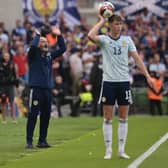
x=142, y=157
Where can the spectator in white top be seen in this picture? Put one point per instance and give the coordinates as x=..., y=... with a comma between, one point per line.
x=76, y=68
x=166, y=64
x=165, y=19
x=3, y=37
x=146, y=15
x=19, y=32
x=157, y=65
x=88, y=59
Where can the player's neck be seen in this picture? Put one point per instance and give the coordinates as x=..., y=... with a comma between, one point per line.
x=114, y=35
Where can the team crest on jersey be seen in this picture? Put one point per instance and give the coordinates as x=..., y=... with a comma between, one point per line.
x=103, y=99
x=35, y=102
x=124, y=43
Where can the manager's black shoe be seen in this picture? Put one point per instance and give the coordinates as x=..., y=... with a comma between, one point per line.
x=43, y=145
x=29, y=146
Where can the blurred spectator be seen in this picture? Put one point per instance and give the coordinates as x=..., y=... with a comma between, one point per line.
x=25, y=99
x=155, y=94
x=166, y=64
x=165, y=19
x=76, y=69
x=146, y=15
x=77, y=32
x=2, y=25
x=7, y=85
x=138, y=78
x=86, y=97
x=3, y=36
x=60, y=98
x=88, y=59
x=63, y=25
x=66, y=74
x=55, y=67
x=14, y=46
x=46, y=26
x=162, y=42
x=19, y=32
x=1, y=46
x=21, y=64
x=157, y=66
x=95, y=81
x=6, y=48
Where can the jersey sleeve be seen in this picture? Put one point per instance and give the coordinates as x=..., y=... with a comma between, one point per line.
x=102, y=40
x=131, y=46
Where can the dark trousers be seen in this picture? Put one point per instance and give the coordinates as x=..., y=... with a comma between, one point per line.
x=155, y=104
x=39, y=103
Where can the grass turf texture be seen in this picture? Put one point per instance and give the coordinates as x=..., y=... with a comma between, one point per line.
x=79, y=143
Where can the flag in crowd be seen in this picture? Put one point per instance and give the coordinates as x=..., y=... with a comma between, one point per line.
x=38, y=10
x=131, y=7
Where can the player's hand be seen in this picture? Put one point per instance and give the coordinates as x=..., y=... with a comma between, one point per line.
x=101, y=19
x=150, y=81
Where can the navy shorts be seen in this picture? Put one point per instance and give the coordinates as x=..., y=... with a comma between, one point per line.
x=112, y=92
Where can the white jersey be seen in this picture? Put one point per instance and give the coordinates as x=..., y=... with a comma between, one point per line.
x=115, y=57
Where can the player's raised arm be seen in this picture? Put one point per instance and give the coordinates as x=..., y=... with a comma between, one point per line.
x=141, y=65
x=93, y=33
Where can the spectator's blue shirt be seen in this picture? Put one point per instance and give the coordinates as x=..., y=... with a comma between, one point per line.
x=19, y=31
x=40, y=63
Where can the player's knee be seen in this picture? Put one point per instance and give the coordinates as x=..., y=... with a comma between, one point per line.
x=123, y=115
x=108, y=117
x=108, y=121
x=123, y=120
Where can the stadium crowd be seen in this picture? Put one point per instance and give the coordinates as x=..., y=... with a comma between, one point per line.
x=77, y=74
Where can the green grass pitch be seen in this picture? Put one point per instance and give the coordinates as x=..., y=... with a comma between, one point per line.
x=78, y=143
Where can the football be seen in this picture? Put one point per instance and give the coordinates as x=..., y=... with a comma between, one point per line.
x=106, y=9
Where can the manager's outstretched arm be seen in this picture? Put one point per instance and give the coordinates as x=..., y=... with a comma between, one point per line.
x=93, y=33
